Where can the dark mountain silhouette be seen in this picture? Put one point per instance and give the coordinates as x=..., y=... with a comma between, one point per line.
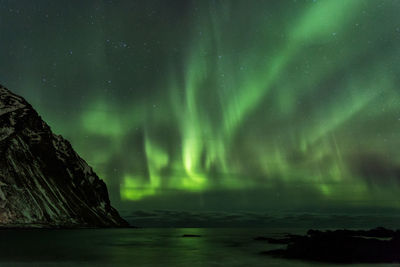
x=43, y=181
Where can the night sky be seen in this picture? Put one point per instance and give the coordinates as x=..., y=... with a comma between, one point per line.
x=218, y=104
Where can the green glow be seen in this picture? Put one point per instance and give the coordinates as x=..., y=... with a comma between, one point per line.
x=324, y=18
x=133, y=189
x=233, y=96
x=100, y=121
x=218, y=96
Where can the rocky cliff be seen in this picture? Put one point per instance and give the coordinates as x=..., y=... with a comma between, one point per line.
x=43, y=181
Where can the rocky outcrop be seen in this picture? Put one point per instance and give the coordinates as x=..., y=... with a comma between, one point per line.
x=43, y=181
x=378, y=245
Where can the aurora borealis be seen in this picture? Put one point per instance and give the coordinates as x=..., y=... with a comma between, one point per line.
x=218, y=104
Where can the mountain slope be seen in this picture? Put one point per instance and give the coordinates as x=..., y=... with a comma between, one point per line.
x=43, y=181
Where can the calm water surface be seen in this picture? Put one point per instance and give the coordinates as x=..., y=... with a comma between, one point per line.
x=141, y=247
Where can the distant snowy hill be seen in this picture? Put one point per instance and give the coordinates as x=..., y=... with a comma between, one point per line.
x=43, y=181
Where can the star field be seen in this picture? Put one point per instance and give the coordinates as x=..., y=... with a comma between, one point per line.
x=218, y=104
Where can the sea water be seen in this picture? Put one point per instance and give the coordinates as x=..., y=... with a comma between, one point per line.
x=143, y=247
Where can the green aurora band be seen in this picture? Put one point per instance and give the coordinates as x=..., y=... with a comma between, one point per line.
x=249, y=95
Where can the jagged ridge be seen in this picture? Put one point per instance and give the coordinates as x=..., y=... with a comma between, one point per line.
x=43, y=181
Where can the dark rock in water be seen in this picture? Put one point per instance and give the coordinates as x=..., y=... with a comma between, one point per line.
x=286, y=240
x=343, y=246
x=271, y=240
x=191, y=235
x=378, y=232
x=263, y=238
x=43, y=181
